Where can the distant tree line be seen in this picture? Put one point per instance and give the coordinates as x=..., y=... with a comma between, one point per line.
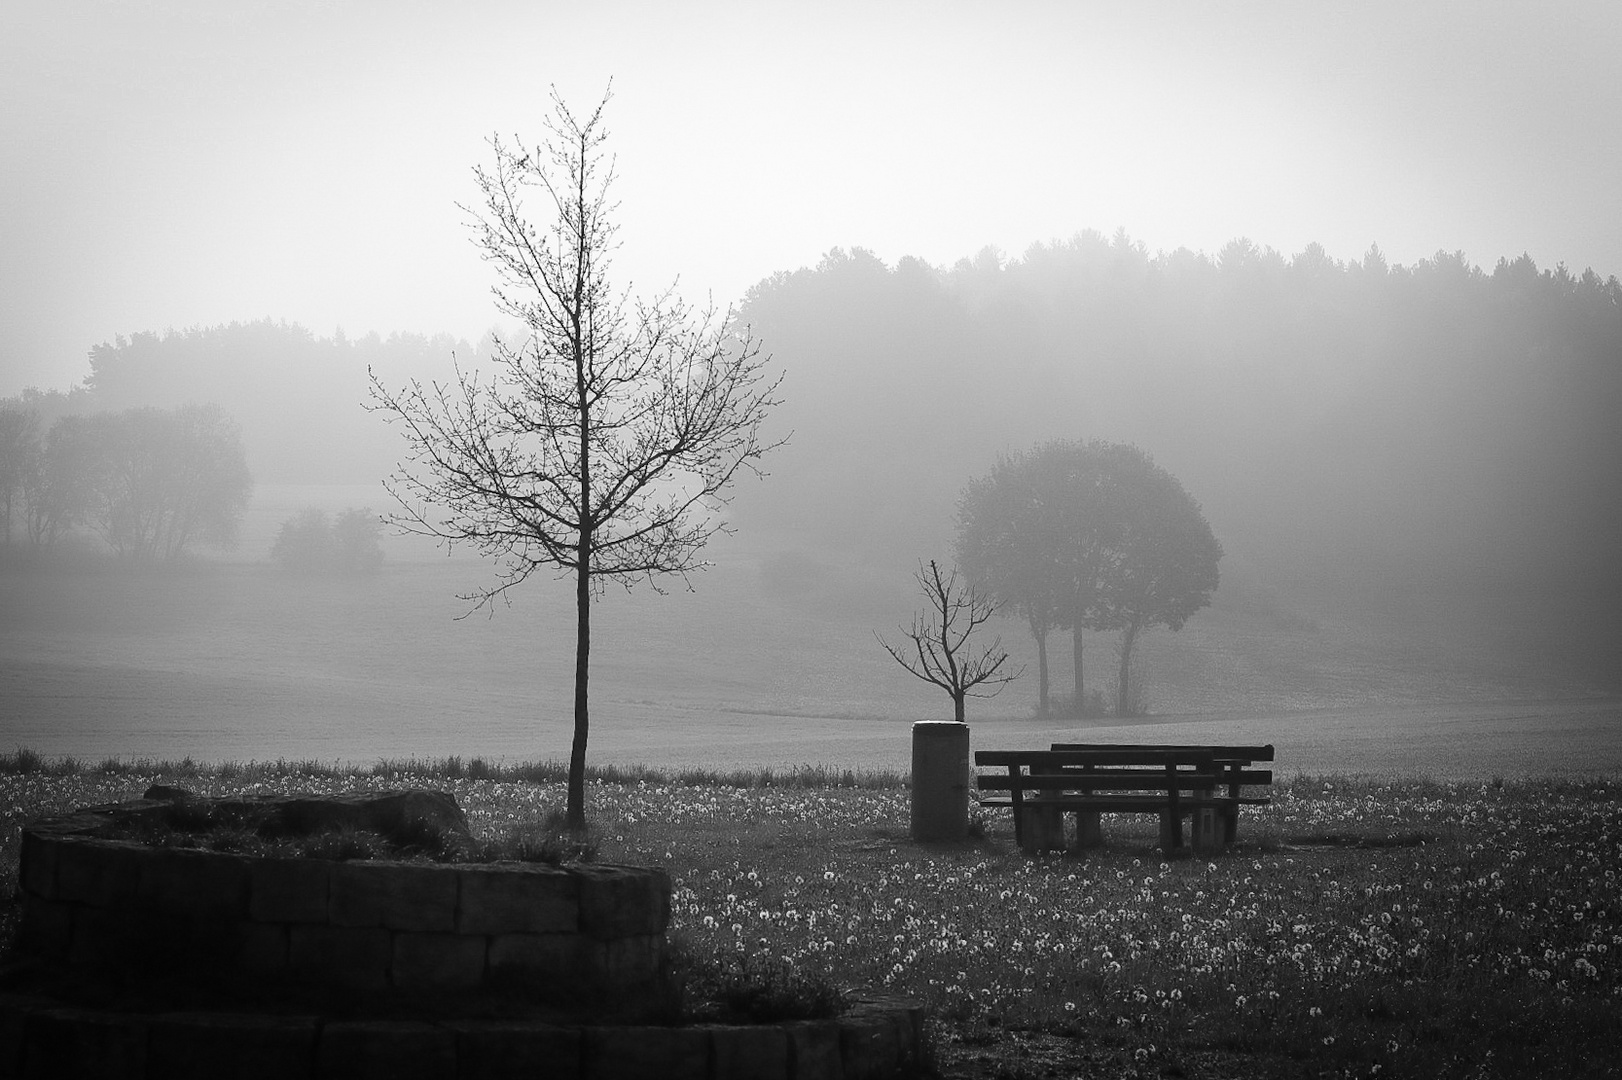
x=1435, y=425
x=261, y=373
x=152, y=483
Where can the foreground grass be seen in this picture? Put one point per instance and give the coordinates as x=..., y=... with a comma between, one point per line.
x=1361, y=928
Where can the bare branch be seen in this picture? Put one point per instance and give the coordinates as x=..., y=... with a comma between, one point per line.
x=940, y=652
x=602, y=444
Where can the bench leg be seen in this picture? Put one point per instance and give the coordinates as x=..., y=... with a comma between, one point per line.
x=1230, y=825
x=1171, y=831
x=1209, y=830
x=1089, y=831
x=1042, y=828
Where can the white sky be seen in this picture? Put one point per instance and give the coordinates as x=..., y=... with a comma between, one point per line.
x=191, y=162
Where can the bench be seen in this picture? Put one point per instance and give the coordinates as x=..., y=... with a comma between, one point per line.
x=1203, y=783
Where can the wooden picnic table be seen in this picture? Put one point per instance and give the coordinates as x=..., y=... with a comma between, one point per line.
x=1203, y=783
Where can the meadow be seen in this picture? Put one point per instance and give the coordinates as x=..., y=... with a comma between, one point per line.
x=1362, y=927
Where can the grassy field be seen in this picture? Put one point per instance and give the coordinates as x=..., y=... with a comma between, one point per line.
x=1361, y=928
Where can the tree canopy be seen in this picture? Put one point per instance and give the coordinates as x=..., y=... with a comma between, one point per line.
x=150, y=482
x=1087, y=536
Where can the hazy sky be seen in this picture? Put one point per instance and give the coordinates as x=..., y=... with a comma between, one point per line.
x=192, y=162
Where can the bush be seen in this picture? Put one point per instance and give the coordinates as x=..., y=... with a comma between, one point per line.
x=310, y=543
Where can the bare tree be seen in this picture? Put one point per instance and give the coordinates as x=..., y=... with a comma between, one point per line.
x=939, y=651
x=602, y=445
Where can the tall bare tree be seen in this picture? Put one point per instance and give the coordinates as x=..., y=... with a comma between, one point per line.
x=603, y=443
x=938, y=651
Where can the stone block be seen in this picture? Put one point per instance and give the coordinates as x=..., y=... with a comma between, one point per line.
x=758, y=1052
x=288, y=890
x=61, y=1043
x=115, y=939
x=517, y=898
x=14, y=1010
x=193, y=883
x=46, y=929
x=551, y=965
x=399, y=896
x=355, y=957
x=869, y=1045
x=205, y=1046
x=438, y=961
x=412, y=816
x=37, y=854
x=905, y=1015
x=101, y=873
x=386, y=1050
x=628, y=961
x=813, y=1049
x=514, y=1050
x=264, y=948
x=624, y=1053
x=620, y=901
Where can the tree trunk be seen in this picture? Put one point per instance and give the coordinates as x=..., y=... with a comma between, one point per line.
x=1040, y=633
x=575, y=816
x=958, y=701
x=1075, y=655
x=1123, y=696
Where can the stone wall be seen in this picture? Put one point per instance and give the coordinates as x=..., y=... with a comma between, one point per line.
x=876, y=1038
x=577, y=936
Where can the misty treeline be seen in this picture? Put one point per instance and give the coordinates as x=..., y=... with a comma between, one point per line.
x=1433, y=430
x=1082, y=536
x=149, y=482
x=296, y=396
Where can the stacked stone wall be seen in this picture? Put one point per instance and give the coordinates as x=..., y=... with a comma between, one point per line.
x=589, y=940
x=576, y=935
x=876, y=1038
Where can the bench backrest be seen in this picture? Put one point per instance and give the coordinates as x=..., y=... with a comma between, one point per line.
x=1124, y=767
x=1194, y=756
x=1220, y=753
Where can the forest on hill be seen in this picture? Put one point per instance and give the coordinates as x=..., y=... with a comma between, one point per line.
x=1433, y=434
x=1427, y=434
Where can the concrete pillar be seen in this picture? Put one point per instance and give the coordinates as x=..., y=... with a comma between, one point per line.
x=940, y=780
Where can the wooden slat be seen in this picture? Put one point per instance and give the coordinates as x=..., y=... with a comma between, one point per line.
x=1129, y=804
x=1141, y=780
x=1222, y=753
x=1111, y=756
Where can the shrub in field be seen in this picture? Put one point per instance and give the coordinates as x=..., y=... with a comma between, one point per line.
x=751, y=987
x=310, y=543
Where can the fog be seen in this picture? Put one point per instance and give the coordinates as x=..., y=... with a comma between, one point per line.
x=180, y=163
x=1350, y=279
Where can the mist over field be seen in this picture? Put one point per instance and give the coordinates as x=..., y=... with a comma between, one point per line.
x=1354, y=292
x=1411, y=471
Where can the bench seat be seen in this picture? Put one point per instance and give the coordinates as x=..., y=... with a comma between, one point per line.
x=1128, y=804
